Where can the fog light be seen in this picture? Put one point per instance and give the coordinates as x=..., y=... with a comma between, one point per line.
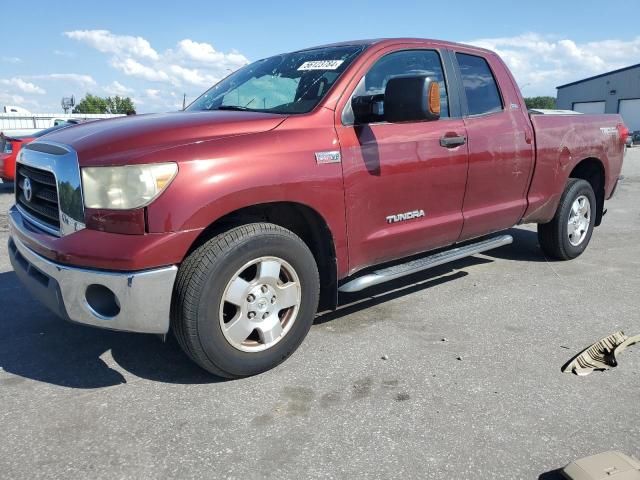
x=102, y=301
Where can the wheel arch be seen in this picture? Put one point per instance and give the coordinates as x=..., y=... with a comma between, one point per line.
x=592, y=170
x=302, y=220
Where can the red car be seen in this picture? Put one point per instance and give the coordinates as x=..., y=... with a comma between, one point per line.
x=10, y=148
x=297, y=177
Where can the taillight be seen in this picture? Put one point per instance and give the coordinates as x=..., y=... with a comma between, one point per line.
x=624, y=132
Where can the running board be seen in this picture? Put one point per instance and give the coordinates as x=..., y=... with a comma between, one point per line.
x=397, y=271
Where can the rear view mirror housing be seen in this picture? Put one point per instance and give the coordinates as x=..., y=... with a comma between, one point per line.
x=411, y=98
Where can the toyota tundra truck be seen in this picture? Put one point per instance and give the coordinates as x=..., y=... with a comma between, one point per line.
x=299, y=176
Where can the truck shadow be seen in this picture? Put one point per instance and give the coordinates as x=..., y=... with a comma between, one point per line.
x=34, y=344
x=349, y=303
x=525, y=247
x=37, y=345
x=553, y=475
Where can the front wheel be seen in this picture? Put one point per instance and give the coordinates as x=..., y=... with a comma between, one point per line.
x=567, y=235
x=245, y=300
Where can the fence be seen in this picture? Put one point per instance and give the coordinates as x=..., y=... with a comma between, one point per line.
x=15, y=124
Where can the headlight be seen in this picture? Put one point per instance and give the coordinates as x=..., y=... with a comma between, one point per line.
x=8, y=147
x=127, y=187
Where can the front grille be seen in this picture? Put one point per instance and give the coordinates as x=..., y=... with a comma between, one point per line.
x=43, y=205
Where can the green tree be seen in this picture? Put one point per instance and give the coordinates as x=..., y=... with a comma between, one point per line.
x=540, y=102
x=119, y=104
x=94, y=104
x=91, y=104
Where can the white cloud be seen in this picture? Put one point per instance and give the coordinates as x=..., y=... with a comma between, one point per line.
x=12, y=98
x=116, y=88
x=189, y=64
x=158, y=99
x=189, y=67
x=11, y=59
x=64, y=53
x=27, y=91
x=107, y=42
x=7, y=98
x=131, y=67
x=542, y=62
x=191, y=75
x=22, y=85
x=205, y=53
x=78, y=78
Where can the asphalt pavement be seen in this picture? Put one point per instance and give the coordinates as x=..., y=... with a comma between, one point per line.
x=490, y=402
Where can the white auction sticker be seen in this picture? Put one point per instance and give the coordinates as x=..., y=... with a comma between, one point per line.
x=321, y=65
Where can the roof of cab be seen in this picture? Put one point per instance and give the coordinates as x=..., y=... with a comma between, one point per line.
x=391, y=41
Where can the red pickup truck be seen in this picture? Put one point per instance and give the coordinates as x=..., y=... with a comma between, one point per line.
x=297, y=177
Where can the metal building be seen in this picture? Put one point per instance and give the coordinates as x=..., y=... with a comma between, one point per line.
x=612, y=92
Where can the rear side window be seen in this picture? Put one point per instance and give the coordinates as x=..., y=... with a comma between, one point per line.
x=479, y=85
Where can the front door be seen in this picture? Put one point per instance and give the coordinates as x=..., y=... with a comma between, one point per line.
x=403, y=189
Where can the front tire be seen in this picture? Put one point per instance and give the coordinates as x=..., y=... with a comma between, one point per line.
x=567, y=235
x=245, y=300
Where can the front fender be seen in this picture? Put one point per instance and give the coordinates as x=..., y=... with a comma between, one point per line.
x=232, y=174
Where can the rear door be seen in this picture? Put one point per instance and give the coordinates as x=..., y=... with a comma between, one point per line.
x=403, y=189
x=500, y=142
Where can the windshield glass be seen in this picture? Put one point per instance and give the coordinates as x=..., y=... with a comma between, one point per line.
x=290, y=83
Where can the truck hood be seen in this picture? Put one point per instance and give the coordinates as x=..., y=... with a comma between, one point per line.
x=122, y=140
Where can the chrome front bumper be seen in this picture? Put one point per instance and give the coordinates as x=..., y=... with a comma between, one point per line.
x=128, y=301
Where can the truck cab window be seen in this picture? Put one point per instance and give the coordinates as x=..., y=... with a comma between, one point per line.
x=406, y=62
x=479, y=85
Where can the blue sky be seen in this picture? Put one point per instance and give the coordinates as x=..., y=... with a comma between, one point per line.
x=156, y=51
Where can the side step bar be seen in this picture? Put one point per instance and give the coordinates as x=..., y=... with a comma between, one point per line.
x=397, y=271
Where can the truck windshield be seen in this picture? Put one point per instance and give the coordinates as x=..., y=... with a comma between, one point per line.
x=290, y=83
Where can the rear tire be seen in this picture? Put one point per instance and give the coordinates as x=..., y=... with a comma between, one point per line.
x=567, y=235
x=245, y=300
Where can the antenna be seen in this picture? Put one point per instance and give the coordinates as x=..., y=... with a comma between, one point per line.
x=67, y=103
x=184, y=101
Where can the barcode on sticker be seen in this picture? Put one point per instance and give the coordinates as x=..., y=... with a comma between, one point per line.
x=321, y=65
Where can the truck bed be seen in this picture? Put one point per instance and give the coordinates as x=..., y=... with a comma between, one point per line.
x=562, y=141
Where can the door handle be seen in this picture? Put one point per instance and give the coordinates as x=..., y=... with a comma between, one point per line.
x=452, y=142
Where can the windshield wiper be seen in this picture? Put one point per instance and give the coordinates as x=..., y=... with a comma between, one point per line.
x=234, y=107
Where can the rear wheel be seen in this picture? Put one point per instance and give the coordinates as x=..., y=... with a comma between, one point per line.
x=567, y=235
x=245, y=300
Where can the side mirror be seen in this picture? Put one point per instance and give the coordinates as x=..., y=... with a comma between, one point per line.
x=411, y=98
x=367, y=108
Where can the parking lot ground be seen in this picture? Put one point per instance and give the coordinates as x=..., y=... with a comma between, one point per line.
x=488, y=403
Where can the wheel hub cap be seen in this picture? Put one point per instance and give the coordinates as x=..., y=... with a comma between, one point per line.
x=579, y=220
x=260, y=304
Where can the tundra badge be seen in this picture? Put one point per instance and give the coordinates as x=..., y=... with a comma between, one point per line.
x=401, y=217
